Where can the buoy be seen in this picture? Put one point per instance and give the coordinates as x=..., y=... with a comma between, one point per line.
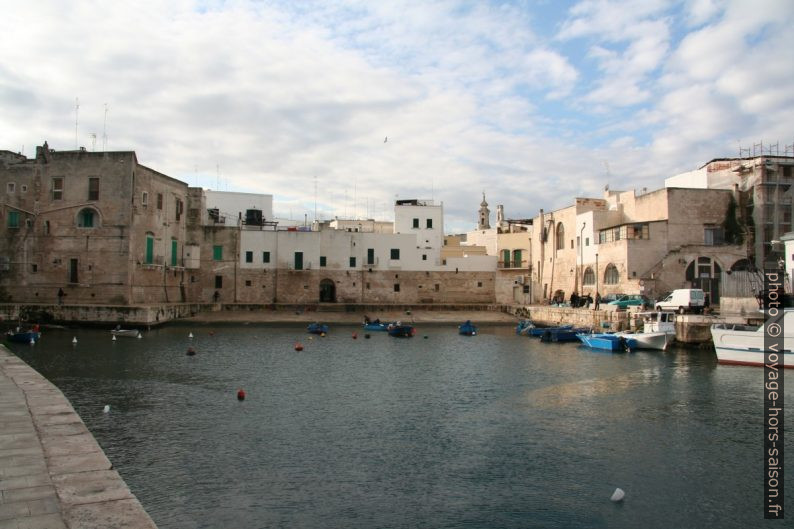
x=139, y=335
x=106, y=409
x=298, y=346
x=212, y=333
x=190, y=335
x=74, y=340
x=425, y=337
x=366, y=336
x=32, y=341
x=474, y=333
x=114, y=338
x=191, y=351
x=618, y=495
x=311, y=337
x=355, y=335
x=322, y=334
x=240, y=394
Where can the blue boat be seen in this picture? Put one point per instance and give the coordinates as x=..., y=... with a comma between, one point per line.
x=376, y=326
x=467, y=329
x=562, y=335
x=317, y=328
x=23, y=336
x=608, y=342
x=538, y=331
x=401, y=331
x=524, y=326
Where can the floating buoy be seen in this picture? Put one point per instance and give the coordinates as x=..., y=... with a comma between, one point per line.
x=322, y=334
x=32, y=341
x=190, y=335
x=114, y=338
x=618, y=495
x=212, y=333
x=299, y=346
x=240, y=394
x=139, y=335
x=106, y=409
x=74, y=340
x=473, y=333
x=355, y=335
x=311, y=337
x=191, y=351
x=366, y=336
x=425, y=337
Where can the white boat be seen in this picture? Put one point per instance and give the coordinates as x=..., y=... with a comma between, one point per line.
x=744, y=344
x=128, y=333
x=658, y=330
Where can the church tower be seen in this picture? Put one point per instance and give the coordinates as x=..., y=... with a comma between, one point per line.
x=485, y=215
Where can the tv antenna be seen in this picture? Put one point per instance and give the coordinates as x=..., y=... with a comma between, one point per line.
x=93, y=141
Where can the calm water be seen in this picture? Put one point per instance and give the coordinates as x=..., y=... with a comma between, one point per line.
x=490, y=431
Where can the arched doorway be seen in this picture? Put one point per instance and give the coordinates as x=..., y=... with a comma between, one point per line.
x=327, y=291
x=704, y=273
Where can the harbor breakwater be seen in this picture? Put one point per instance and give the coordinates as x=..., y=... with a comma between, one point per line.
x=53, y=473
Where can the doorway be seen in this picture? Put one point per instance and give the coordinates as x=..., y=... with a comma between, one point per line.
x=327, y=291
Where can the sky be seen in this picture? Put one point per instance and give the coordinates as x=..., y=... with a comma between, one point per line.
x=341, y=107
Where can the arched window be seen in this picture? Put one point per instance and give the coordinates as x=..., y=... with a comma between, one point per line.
x=589, y=277
x=560, y=236
x=149, y=258
x=87, y=218
x=743, y=265
x=611, y=276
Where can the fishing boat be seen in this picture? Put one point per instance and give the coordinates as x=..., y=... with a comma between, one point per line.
x=658, y=330
x=467, y=329
x=317, y=328
x=398, y=330
x=126, y=333
x=608, y=342
x=562, y=335
x=20, y=336
x=524, y=326
x=744, y=344
x=537, y=332
x=376, y=326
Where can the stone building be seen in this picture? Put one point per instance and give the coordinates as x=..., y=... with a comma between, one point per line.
x=99, y=226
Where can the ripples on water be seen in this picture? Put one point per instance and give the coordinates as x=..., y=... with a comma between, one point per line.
x=494, y=430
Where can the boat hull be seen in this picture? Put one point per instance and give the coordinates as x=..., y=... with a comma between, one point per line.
x=376, y=327
x=126, y=333
x=402, y=331
x=316, y=328
x=745, y=347
x=607, y=342
x=23, y=337
x=650, y=340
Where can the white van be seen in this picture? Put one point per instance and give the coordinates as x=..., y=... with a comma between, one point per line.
x=683, y=300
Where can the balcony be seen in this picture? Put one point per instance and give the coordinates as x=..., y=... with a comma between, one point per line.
x=515, y=264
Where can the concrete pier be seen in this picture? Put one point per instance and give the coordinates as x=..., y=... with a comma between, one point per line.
x=53, y=474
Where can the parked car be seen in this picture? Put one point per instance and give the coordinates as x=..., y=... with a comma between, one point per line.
x=609, y=298
x=632, y=300
x=683, y=300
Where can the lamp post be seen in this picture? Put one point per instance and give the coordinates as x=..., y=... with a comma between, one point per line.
x=581, y=259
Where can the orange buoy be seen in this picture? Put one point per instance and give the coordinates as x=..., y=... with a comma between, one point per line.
x=240, y=394
x=299, y=346
x=355, y=335
x=191, y=351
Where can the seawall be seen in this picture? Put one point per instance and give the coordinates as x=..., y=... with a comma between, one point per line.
x=53, y=473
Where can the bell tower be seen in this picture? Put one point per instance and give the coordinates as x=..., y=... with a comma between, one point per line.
x=485, y=215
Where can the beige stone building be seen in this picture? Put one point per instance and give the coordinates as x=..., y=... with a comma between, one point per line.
x=97, y=225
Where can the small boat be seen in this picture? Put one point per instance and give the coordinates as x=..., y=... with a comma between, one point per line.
x=127, y=333
x=317, y=328
x=398, y=330
x=562, y=335
x=744, y=344
x=524, y=326
x=658, y=330
x=608, y=342
x=538, y=331
x=19, y=336
x=376, y=326
x=467, y=329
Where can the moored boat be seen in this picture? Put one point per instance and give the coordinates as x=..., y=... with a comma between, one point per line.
x=376, y=326
x=744, y=344
x=398, y=330
x=524, y=326
x=127, y=333
x=539, y=331
x=608, y=342
x=658, y=330
x=20, y=336
x=562, y=335
x=467, y=328
x=317, y=328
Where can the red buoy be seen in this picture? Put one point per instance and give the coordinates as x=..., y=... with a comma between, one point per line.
x=191, y=351
x=299, y=346
x=355, y=335
x=240, y=394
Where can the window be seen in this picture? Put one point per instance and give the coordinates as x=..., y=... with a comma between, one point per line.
x=248, y=282
x=437, y=287
x=322, y=260
x=145, y=198
x=416, y=221
x=34, y=268
x=352, y=262
x=589, y=277
x=159, y=201
x=46, y=227
x=218, y=282
x=429, y=224
x=174, y=247
x=179, y=209
x=11, y=187
x=85, y=219
x=395, y=254
x=298, y=260
x=217, y=253
x=587, y=241
x=149, y=257
x=396, y=287
x=518, y=262
x=571, y=244
x=265, y=257
x=73, y=270
x=628, y=231
x=93, y=189
x=479, y=284
x=24, y=188
x=424, y=257
x=713, y=235
x=611, y=276
x=13, y=219
x=560, y=236
x=249, y=257
x=370, y=256
x=57, y=188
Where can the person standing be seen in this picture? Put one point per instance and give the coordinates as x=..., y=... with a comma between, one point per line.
x=597, y=301
x=61, y=294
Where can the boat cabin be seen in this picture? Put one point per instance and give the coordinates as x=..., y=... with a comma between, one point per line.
x=657, y=321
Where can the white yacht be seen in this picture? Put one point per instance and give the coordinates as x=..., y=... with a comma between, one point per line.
x=744, y=344
x=658, y=330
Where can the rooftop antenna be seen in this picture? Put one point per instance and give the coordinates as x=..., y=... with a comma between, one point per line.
x=76, y=113
x=93, y=141
x=105, y=130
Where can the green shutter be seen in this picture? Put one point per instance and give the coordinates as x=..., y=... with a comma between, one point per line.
x=298, y=260
x=173, y=252
x=149, y=249
x=217, y=253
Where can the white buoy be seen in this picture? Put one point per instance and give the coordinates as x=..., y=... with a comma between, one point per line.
x=32, y=341
x=106, y=409
x=114, y=337
x=74, y=340
x=618, y=495
x=139, y=335
x=190, y=335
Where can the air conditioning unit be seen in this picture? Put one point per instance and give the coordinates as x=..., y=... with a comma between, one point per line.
x=520, y=280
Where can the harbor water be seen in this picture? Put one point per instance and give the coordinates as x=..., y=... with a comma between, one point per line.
x=440, y=430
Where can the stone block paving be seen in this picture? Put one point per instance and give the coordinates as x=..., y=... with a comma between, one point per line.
x=53, y=473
